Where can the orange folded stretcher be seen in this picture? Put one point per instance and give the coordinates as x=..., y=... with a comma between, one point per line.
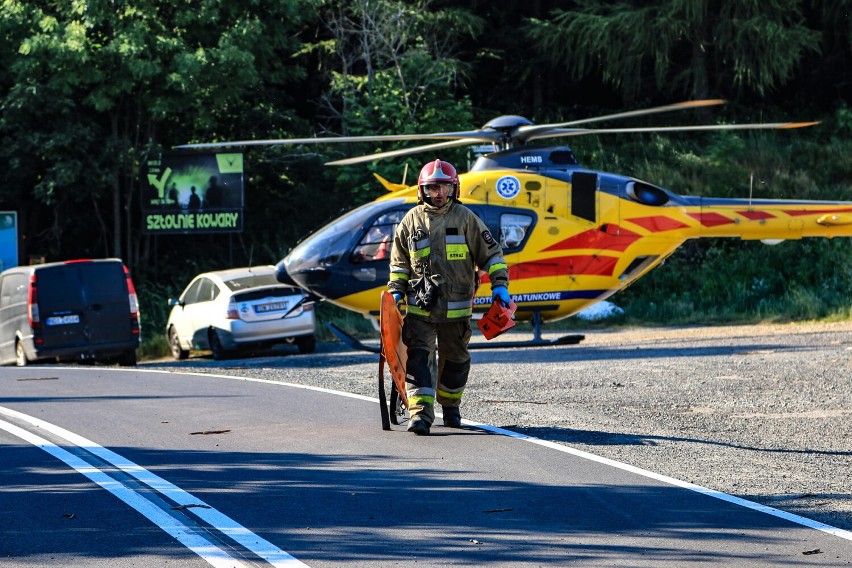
x=394, y=352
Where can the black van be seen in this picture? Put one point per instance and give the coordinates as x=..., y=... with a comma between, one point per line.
x=76, y=310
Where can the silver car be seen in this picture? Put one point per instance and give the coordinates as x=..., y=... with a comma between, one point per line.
x=226, y=310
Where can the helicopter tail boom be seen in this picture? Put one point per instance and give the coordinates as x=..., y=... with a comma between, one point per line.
x=772, y=219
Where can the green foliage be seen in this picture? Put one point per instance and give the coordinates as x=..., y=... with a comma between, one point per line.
x=394, y=72
x=154, y=347
x=153, y=306
x=726, y=281
x=751, y=45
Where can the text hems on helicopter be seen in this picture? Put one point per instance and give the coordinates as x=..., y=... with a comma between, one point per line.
x=571, y=236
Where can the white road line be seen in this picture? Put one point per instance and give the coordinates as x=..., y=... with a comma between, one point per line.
x=181, y=532
x=219, y=521
x=671, y=481
x=799, y=520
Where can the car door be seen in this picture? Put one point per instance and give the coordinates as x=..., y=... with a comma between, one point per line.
x=181, y=318
x=198, y=313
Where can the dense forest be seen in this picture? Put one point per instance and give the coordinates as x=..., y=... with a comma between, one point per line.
x=91, y=90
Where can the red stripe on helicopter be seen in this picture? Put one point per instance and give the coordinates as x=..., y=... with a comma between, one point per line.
x=657, y=223
x=818, y=211
x=608, y=237
x=711, y=219
x=577, y=265
x=756, y=215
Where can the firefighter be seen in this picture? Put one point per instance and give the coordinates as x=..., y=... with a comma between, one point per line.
x=437, y=249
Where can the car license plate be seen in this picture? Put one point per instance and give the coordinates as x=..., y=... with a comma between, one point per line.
x=63, y=320
x=270, y=307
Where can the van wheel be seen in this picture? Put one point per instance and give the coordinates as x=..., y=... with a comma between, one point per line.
x=219, y=352
x=306, y=343
x=20, y=355
x=127, y=359
x=178, y=352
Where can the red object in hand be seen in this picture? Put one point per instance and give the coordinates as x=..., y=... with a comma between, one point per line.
x=497, y=319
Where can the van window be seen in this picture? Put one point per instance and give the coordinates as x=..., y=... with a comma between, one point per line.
x=81, y=283
x=13, y=285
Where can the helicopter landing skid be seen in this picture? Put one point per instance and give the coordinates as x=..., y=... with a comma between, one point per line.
x=351, y=341
x=536, y=341
x=564, y=340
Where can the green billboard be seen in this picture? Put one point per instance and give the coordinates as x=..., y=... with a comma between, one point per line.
x=193, y=193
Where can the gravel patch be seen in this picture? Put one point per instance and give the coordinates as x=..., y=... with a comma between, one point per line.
x=762, y=412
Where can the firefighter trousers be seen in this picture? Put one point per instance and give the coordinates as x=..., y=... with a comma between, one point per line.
x=423, y=338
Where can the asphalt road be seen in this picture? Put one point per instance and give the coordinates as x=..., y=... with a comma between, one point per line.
x=111, y=467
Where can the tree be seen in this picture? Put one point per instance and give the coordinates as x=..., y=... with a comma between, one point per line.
x=696, y=48
x=393, y=70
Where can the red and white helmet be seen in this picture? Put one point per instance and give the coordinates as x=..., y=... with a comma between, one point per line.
x=437, y=172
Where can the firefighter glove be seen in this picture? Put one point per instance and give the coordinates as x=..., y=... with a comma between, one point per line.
x=501, y=293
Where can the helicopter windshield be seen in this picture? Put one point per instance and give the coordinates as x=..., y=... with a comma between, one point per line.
x=377, y=240
x=327, y=246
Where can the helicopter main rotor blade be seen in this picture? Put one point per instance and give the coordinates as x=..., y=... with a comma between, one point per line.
x=585, y=131
x=406, y=151
x=507, y=131
x=474, y=135
x=641, y=112
x=531, y=132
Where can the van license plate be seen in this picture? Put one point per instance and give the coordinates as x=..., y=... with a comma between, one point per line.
x=63, y=320
x=270, y=307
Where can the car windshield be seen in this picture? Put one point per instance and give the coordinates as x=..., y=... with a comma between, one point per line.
x=251, y=281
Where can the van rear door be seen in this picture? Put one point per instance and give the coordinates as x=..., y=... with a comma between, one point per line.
x=84, y=304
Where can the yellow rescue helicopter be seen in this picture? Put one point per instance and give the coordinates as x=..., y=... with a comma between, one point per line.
x=571, y=236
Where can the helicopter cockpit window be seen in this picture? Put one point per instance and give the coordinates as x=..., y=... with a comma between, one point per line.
x=513, y=230
x=391, y=217
x=327, y=246
x=377, y=240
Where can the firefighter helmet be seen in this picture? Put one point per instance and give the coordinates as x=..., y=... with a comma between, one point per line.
x=437, y=172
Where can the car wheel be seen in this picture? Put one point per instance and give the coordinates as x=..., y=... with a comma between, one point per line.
x=178, y=352
x=216, y=347
x=20, y=355
x=127, y=359
x=306, y=343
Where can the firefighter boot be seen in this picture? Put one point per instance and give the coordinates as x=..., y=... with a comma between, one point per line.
x=452, y=416
x=419, y=426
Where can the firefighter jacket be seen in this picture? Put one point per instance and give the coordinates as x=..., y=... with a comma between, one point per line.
x=446, y=245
